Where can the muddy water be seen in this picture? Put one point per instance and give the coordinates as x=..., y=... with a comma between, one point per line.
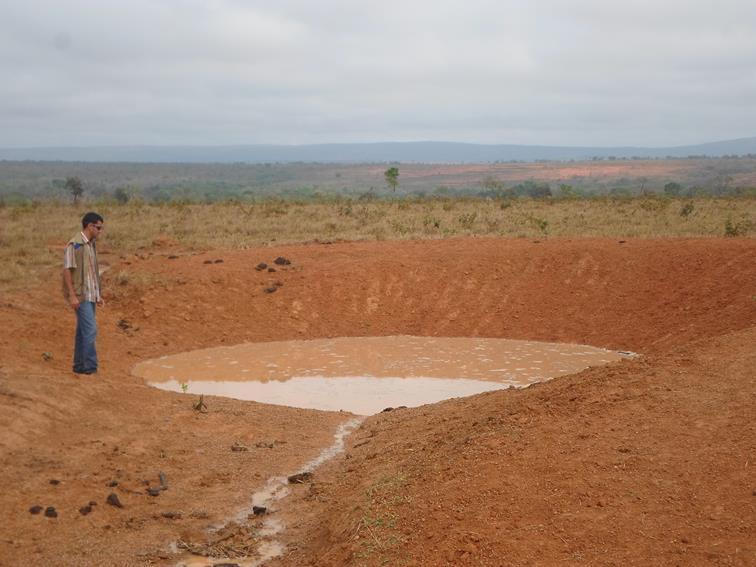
x=364, y=375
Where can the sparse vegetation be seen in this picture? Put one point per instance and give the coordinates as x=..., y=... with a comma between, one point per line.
x=24, y=182
x=738, y=228
x=133, y=227
x=686, y=209
x=376, y=532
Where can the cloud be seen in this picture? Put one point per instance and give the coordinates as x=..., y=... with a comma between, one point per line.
x=584, y=72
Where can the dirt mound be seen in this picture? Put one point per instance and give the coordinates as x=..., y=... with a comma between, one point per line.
x=644, y=462
x=636, y=461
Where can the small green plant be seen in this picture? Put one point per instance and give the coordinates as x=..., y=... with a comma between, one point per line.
x=377, y=531
x=184, y=387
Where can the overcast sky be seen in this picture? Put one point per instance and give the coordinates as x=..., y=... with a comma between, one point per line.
x=215, y=72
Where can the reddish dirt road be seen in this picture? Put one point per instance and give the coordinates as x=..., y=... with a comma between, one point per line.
x=644, y=461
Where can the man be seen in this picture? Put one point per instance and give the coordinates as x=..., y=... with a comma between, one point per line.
x=81, y=279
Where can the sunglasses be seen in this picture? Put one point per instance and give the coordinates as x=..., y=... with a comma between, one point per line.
x=98, y=227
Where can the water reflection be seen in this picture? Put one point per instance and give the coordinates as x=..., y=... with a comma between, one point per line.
x=364, y=375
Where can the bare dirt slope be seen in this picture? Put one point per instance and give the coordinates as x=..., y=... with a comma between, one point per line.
x=647, y=459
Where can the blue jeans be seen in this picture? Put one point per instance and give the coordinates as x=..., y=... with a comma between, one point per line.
x=85, y=353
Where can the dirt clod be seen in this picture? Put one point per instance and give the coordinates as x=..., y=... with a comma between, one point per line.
x=35, y=509
x=51, y=512
x=113, y=500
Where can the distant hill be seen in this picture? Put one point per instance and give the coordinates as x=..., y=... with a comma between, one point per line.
x=402, y=152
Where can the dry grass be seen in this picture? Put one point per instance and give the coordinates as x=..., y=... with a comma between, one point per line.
x=32, y=237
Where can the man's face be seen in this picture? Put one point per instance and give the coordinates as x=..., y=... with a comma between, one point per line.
x=94, y=229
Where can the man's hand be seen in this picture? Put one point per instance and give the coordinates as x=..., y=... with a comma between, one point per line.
x=75, y=302
x=101, y=302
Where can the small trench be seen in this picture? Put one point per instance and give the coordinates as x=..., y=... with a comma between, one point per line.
x=238, y=535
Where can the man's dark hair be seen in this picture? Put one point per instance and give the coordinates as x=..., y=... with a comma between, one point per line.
x=91, y=218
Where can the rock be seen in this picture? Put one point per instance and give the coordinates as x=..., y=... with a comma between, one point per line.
x=35, y=509
x=92, y=503
x=163, y=480
x=51, y=512
x=123, y=324
x=172, y=257
x=84, y=510
x=261, y=266
x=113, y=500
x=271, y=289
x=207, y=262
x=271, y=270
x=384, y=410
x=259, y=510
x=238, y=447
x=281, y=261
x=300, y=478
x=265, y=444
x=171, y=515
x=154, y=491
x=47, y=355
x=112, y=484
x=218, y=261
x=54, y=481
x=226, y=565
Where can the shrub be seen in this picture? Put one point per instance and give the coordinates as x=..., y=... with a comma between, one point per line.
x=733, y=229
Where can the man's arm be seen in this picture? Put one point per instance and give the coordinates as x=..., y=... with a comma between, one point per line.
x=72, y=299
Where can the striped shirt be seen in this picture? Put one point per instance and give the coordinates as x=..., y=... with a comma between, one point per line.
x=81, y=257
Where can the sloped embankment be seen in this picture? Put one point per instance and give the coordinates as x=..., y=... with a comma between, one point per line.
x=641, y=460
x=645, y=462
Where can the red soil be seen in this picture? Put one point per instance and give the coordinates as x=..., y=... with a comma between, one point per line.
x=641, y=462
